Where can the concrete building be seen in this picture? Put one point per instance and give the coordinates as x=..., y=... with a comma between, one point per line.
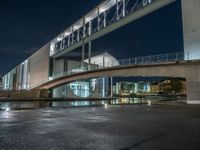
x=131, y=88
x=51, y=60
x=169, y=86
x=96, y=87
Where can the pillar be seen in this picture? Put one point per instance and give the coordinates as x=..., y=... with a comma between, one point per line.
x=193, y=83
x=117, y=9
x=83, y=53
x=191, y=28
x=89, y=54
x=104, y=19
x=124, y=8
x=103, y=88
x=111, y=86
x=98, y=19
x=72, y=35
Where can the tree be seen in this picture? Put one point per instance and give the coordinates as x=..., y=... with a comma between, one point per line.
x=176, y=85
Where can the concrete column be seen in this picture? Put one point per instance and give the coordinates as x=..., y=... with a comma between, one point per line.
x=72, y=35
x=68, y=42
x=124, y=8
x=78, y=35
x=117, y=9
x=54, y=61
x=104, y=19
x=63, y=43
x=89, y=54
x=104, y=88
x=83, y=53
x=83, y=27
x=103, y=63
x=111, y=86
x=191, y=28
x=98, y=19
x=90, y=28
x=193, y=84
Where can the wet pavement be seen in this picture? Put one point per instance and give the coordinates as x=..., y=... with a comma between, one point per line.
x=127, y=127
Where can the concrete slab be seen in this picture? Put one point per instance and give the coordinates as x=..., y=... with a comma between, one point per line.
x=140, y=127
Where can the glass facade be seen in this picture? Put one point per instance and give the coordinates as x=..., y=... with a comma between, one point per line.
x=16, y=79
x=83, y=88
x=127, y=88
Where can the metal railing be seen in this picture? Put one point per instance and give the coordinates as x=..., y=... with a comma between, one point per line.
x=136, y=6
x=144, y=60
x=152, y=59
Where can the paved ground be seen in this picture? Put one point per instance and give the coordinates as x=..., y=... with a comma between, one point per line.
x=140, y=127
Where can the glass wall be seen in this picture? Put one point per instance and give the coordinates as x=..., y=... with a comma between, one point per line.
x=17, y=79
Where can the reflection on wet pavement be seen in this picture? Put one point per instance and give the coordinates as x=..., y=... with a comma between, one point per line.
x=111, y=127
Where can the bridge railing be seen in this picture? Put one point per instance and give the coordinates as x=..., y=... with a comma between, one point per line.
x=152, y=59
x=98, y=24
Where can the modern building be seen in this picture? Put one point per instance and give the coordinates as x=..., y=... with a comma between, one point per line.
x=131, y=88
x=169, y=86
x=165, y=86
x=91, y=87
x=53, y=59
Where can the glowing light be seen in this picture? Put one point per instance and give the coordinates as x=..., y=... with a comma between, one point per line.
x=101, y=10
x=67, y=33
x=7, y=109
x=59, y=39
x=50, y=78
x=105, y=105
x=149, y=102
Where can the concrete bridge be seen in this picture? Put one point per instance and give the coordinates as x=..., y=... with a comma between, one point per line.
x=50, y=67
x=190, y=70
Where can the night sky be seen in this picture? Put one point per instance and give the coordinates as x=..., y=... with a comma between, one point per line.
x=26, y=25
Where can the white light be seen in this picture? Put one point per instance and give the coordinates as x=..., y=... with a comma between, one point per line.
x=105, y=105
x=59, y=39
x=88, y=19
x=67, y=33
x=149, y=102
x=50, y=78
x=101, y=10
x=52, y=47
x=7, y=109
x=76, y=27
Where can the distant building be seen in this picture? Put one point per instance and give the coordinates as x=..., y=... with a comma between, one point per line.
x=169, y=86
x=129, y=88
x=89, y=87
x=29, y=73
x=166, y=86
x=155, y=88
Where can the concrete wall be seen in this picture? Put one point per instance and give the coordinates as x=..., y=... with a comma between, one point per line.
x=71, y=64
x=59, y=92
x=94, y=94
x=191, y=35
x=193, y=84
x=39, y=66
x=156, y=70
x=191, y=28
x=58, y=66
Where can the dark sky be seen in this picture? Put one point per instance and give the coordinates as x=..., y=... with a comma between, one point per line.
x=26, y=25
